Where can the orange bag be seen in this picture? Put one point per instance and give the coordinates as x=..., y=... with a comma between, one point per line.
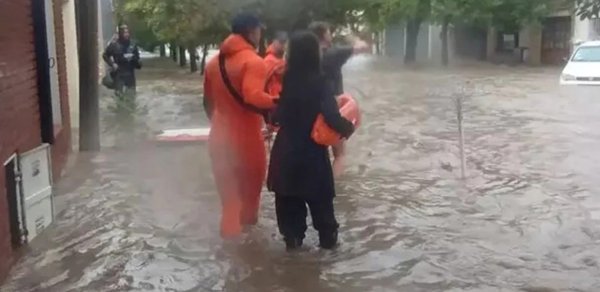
x=322, y=134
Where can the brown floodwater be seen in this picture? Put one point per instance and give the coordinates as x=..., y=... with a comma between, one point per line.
x=526, y=217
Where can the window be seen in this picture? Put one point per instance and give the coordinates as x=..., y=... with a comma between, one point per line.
x=507, y=42
x=556, y=34
x=587, y=54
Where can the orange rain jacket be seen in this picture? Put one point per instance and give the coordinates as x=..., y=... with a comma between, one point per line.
x=236, y=144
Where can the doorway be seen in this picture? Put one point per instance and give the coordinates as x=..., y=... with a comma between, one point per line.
x=556, y=40
x=53, y=64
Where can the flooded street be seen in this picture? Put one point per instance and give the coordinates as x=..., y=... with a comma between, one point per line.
x=526, y=218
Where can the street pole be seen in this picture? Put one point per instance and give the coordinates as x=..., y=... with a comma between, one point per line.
x=461, y=136
x=89, y=118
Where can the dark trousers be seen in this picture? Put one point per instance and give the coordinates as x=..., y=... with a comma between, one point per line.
x=125, y=83
x=292, y=212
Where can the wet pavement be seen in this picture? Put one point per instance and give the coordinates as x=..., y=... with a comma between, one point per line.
x=526, y=218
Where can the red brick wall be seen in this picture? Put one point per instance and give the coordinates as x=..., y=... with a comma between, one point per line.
x=19, y=112
x=19, y=109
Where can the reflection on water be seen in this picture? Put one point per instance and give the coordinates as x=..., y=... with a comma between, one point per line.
x=525, y=219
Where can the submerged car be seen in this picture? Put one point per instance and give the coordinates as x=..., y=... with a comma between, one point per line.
x=583, y=68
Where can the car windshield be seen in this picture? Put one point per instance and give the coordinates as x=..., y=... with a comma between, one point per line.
x=587, y=54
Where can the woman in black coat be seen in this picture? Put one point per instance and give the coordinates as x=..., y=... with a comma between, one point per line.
x=300, y=171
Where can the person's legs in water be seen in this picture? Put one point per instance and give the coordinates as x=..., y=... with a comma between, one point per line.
x=339, y=158
x=125, y=94
x=339, y=155
x=122, y=136
x=323, y=216
x=291, y=219
x=252, y=177
x=228, y=184
x=130, y=92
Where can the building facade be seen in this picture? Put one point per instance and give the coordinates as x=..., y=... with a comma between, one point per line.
x=548, y=43
x=429, y=42
x=34, y=99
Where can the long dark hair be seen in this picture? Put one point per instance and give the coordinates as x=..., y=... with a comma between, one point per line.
x=304, y=55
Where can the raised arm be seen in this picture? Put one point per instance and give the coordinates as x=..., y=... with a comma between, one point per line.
x=338, y=56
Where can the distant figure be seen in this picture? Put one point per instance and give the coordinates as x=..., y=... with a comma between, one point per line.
x=300, y=171
x=236, y=101
x=123, y=57
x=334, y=58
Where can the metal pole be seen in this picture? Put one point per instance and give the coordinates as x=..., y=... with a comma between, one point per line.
x=87, y=22
x=461, y=136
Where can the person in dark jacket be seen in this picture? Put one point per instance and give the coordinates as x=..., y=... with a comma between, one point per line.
x=123, y=57
x=334, y=58
x=300, y=171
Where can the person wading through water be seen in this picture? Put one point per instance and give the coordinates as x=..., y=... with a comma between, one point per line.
x=236, y=102
x=123, y=58
x=333, y=59
x=300, y=171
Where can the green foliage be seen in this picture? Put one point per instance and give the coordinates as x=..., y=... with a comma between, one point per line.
x=185, y=22
x=588, y=8
x=504, y=14
x=143, y=34
x=191, y=23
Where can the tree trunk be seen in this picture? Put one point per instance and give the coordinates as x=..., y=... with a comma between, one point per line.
x=204, y=55
x=182, y=57
x=412, y=36
x=444, y=36
x=163, y=50
x=89, y=119
x=193, y=60
x=377, y=39
x=173, y=51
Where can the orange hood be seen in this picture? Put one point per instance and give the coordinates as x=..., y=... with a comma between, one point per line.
x=235, y=44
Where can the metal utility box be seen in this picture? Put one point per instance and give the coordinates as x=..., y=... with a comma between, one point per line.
x=36, y=186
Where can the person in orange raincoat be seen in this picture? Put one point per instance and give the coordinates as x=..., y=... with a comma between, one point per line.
x=276, y=64
x=236, y=101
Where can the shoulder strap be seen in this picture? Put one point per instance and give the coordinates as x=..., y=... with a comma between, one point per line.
x=236, y=95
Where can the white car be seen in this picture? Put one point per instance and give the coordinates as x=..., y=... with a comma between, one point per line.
x=584, y=66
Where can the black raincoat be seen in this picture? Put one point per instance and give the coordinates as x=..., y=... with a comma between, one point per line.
x=300, y=167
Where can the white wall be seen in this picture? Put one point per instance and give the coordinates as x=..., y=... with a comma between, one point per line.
x=429, y=45
x=581, y=30
x=72, y=57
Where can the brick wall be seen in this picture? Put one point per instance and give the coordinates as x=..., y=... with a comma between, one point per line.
x=20, y=129
x=19, y=112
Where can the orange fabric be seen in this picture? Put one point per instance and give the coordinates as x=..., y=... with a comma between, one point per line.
x=236, y=143
x=275, y=71
x=323, y=134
